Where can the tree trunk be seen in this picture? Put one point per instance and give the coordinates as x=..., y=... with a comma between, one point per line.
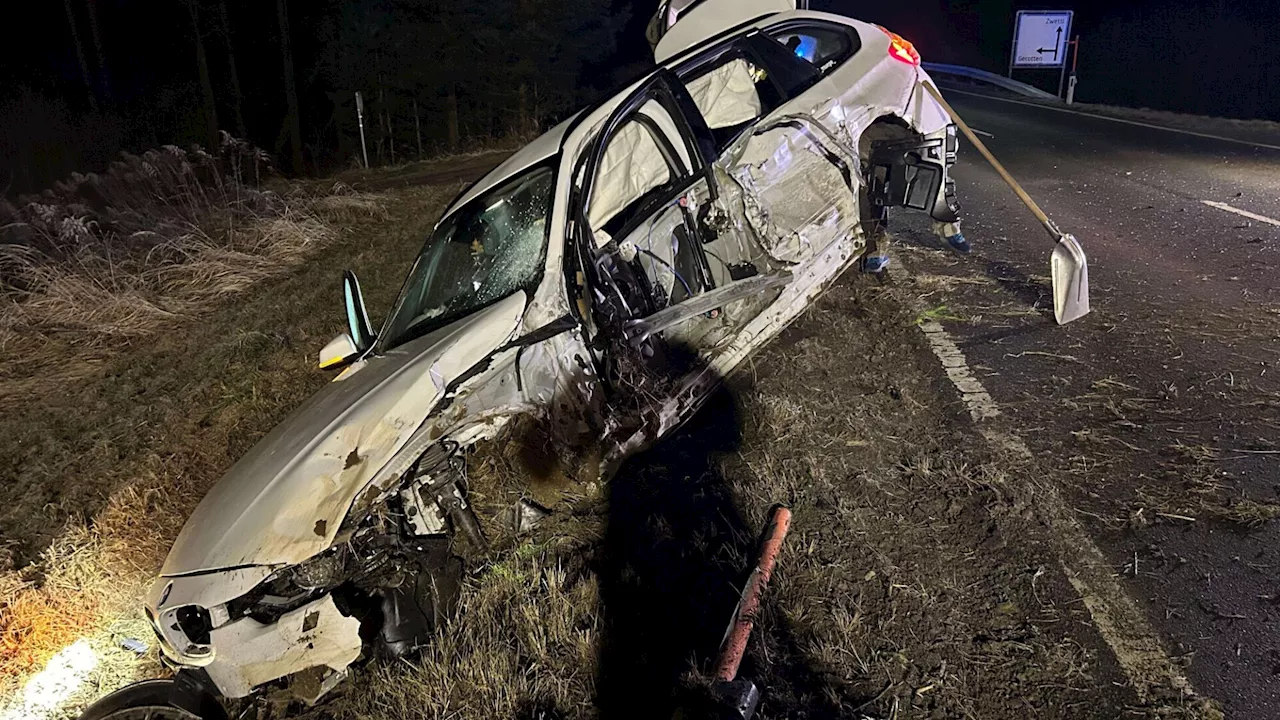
x=391, y=136
x=451, y=116
x=237, y=99
x=103, y=82
x=206, y=83
x=383, y=133
x=84, y=66
x=522, y=114
x=417, y=126
x=292, y=121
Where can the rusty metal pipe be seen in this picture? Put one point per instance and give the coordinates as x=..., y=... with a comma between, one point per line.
x=744, y=617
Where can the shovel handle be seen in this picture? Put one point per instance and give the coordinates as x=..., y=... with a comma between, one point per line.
x=1004, y=174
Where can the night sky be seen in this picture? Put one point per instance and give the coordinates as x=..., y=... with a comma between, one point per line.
x=1217, y=57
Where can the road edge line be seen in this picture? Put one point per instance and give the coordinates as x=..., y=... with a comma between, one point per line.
x=1119, y=620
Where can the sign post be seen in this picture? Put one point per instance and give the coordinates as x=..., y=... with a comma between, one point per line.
x=1040, y=39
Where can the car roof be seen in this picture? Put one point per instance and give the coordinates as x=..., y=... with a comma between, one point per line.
x=708, y=19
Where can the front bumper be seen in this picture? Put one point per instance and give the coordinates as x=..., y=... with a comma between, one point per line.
x=243, y=654
x=248, y=653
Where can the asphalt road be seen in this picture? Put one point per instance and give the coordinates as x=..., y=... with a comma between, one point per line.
x=1158, y=415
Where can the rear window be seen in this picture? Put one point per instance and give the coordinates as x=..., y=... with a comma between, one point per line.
x=821, y=45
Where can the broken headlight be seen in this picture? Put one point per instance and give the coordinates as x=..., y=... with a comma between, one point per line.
x=186, y=631
x=290, y=588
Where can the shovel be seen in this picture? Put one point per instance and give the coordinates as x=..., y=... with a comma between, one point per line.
x=1067, y=266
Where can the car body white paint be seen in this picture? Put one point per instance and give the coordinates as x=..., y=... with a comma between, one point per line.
x=314, y=635
x=705, y=20
x=285, y=501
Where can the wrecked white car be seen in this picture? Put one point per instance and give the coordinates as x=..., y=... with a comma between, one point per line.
x=601, y=280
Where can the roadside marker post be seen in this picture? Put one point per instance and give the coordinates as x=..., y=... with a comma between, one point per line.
x=1040, y=39
x=1075, y=62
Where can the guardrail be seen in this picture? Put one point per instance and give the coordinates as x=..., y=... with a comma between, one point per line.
x=999, y=81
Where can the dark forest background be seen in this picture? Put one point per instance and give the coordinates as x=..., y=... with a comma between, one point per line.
x=85, y=79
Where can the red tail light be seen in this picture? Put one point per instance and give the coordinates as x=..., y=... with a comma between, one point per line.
x=900, y=49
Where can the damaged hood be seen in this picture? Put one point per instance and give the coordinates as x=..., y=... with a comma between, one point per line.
x=286, y=498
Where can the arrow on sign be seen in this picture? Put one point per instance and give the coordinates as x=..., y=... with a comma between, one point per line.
x=1056, y=44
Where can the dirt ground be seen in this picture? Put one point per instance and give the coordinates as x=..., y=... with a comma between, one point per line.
x=924, y=576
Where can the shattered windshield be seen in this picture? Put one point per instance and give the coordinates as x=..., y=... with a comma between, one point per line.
x=492, y=247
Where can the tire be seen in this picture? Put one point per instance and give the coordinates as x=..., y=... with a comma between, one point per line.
x=149, y=700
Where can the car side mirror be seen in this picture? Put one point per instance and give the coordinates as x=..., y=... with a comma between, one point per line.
x=338, y=352
x=359, y=336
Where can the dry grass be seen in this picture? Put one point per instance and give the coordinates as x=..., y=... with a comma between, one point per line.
x=100, y=475
x=102, y=260
x=900, y=591
x=1191, y=487
x=90, y=577
x=525, y=641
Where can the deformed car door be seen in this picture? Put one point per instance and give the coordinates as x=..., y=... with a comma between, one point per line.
x=657, y=289
x=788, y=184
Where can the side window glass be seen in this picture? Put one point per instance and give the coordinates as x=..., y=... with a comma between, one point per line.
x=790, y=74
x=822, y=47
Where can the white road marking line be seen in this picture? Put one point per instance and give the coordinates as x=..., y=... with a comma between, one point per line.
x=1120, y=120
x=974, y=395
x=983, y=133
x=1245, y=213
x=1118, y=618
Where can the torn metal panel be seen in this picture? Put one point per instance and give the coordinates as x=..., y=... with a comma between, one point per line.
x=552, y=378
x=558, y=377
x=808, y=281
x=704, y=303
x=284, y=501
x=799, y=189
x=248, y=653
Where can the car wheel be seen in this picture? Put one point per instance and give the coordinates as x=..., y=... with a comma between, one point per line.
x=149, y=700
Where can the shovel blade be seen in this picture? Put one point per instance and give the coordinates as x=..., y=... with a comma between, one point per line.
x=1070, y=272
